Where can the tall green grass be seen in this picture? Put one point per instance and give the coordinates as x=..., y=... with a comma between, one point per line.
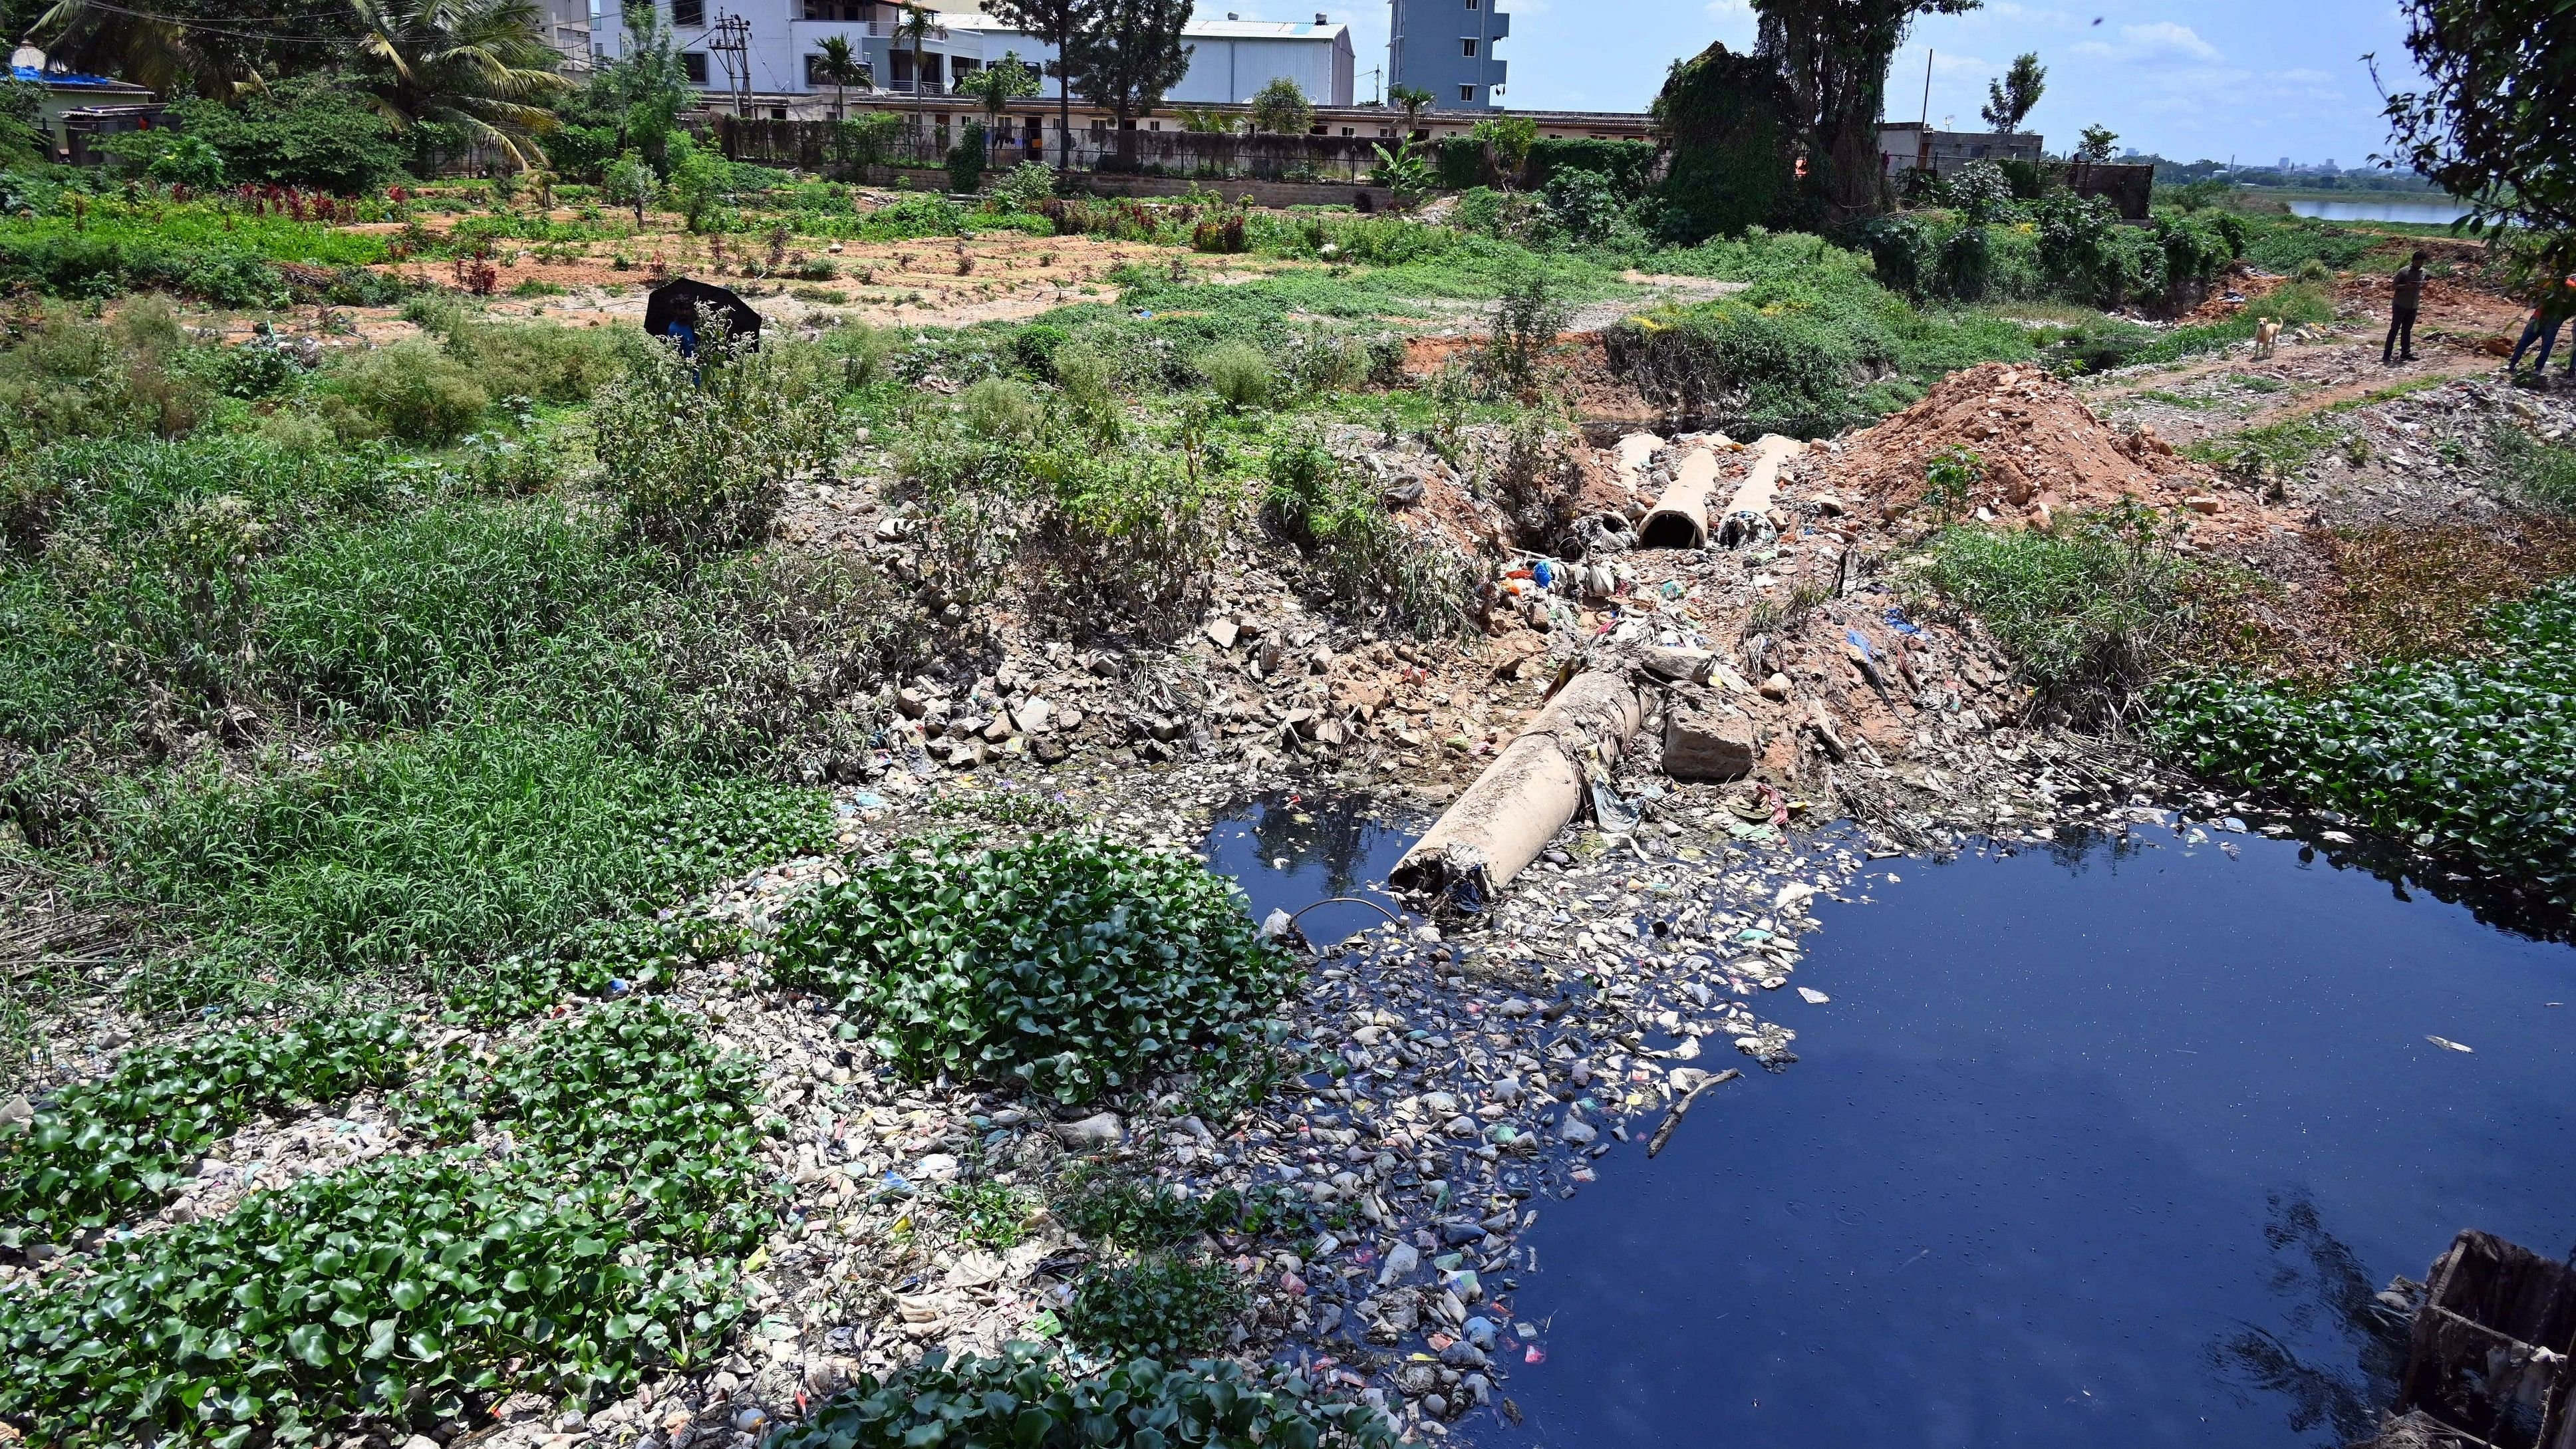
x=421, y=854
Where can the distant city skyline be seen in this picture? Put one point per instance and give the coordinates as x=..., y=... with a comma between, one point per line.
x=2251, y=80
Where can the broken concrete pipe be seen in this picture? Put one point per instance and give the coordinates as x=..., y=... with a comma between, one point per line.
x=1526, y=796
x=1681, y=518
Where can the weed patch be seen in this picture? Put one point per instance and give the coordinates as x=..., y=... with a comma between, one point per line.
x=1071, y=965
x=2090, y=608
x=424, y=854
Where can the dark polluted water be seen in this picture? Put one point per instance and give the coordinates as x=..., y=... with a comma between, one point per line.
x=1292, y=852
x=2105, y=1145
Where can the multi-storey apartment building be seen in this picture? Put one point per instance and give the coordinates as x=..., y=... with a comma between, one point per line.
x=1446, y=47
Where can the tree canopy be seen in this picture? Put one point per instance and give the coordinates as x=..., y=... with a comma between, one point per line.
x=2011, y=96
x=2496, y=121
x=1057, y=22
x=1833, y=56
x=1131, y=54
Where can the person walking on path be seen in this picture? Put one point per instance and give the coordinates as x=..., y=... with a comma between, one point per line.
x=2405, y=295
x=2556, y=304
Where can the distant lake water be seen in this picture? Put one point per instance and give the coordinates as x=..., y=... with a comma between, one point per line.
x=2434, y=213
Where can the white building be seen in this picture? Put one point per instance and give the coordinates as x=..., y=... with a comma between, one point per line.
x=770, y=50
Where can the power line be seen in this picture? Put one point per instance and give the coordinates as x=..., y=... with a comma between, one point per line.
x=213, y=28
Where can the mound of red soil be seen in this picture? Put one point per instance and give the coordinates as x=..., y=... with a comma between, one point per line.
x=2037, y=445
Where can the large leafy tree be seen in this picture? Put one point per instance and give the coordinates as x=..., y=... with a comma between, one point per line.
x=477, y=67
x=1833, y=55
x=2495, y=122
x=1131, y=54
x=1059, y=23
x=1725, y=120
x=214, y=48
x=2010, y=97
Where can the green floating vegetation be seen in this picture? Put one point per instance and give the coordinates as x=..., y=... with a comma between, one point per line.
x=2467, y=757
x=102, y=1151
x=1116, y=1209
x=405, y=1287
x=1024, y=1401
x=1158, y=1307
x=1072, y=965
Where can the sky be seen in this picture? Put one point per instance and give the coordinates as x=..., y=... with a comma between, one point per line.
x=2187, y=79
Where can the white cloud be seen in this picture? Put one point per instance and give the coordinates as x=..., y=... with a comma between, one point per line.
x=2167, y=38
x=1728, y=9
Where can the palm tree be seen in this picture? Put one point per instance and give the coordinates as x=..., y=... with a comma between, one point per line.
x=842, y=68
x=480, y=66
x=997, y=85
x=913, y=29
x=1415, y=100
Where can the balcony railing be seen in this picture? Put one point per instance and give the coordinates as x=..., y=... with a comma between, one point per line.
x=875, y=29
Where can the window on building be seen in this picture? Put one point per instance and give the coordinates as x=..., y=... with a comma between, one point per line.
x=693, y=64
x=1471, y=4
x=1470, y=46
x=689, y=12
x=1467, y=93
x=1350, y=131
x=778, y=113
x=1153, y=125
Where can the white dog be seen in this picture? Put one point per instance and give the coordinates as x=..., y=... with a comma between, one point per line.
x=2267, y=330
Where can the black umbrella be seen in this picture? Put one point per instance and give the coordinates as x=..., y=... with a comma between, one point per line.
x=692, y=305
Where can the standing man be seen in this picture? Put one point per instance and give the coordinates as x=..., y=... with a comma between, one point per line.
x=2405, y=295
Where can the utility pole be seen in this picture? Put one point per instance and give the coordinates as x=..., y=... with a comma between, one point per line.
x=730, y=41
x=1927, y=87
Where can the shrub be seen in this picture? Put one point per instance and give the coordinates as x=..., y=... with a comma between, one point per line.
x=66, y=377
x=1129, y=540
x=1523, y=335
x=309, y=131
x=412, y=392
x=1368, y=564
x=699, y=455
x=2466, y=757
x=2090, y=608
x=1001, y=408
x=1748, y=369
x=1978, y=191
x=1238, y=372
x=1028, y=183
x=1586, y=204
x=1022, y=1400
x=543, y=362
x=1071, y=965
x=1089, y=386
x=967, y=159
x=1160, y=1308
